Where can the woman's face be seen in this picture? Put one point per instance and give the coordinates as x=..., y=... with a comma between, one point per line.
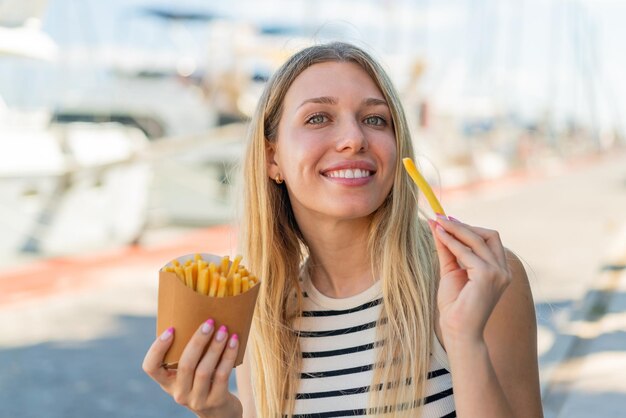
x=336, y=147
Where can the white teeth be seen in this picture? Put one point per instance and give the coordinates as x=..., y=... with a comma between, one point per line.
x=349, y=174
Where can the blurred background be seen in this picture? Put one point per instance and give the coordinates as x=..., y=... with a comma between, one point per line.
x=122, y=125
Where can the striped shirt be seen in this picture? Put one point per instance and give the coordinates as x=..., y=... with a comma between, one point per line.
x=339, y=351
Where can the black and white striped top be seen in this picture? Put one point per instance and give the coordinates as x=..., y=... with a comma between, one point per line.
x=339, y=350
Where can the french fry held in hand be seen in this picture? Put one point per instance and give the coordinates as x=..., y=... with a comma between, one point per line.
x=213, y=279
x=421, y=183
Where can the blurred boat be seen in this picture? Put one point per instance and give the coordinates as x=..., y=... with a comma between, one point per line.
x=75, y=187
x=107, y=159
x=66, y=188
x=63, y=188
x=20, y=30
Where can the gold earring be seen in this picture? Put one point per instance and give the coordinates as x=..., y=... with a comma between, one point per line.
x=278, y=179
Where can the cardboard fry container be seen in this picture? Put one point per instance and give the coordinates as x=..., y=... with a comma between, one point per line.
x=185, y=309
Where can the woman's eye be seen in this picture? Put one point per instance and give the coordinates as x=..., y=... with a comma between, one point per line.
x=375, y=120
x=317, y=119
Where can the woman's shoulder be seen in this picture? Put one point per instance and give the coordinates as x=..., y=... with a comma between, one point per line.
x=511, y=338
x=515, y=303
x=517, y=298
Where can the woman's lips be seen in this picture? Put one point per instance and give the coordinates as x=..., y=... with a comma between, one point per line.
x=349, y=176
x=349, y=173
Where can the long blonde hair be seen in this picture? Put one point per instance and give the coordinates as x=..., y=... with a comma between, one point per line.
x=401, y=248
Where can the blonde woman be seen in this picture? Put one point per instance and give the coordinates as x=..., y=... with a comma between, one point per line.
x=365, y=308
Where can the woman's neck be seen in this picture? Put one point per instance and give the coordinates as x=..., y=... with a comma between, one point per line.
x=339, y=264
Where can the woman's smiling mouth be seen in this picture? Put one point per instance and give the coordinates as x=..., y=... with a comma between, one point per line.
x=348, y=174
x=353, y=173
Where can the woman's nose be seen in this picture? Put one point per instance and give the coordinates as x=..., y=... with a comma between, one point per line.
x=351, y=137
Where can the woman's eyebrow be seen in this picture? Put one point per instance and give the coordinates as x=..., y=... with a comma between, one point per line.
x=372, y=101
x=320, y=100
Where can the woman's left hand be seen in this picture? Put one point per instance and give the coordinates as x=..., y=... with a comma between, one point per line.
x=474, y=274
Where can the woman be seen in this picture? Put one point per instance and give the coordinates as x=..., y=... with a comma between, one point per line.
x=365, y=309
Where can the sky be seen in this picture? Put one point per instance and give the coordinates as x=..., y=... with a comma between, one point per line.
x=534, y=56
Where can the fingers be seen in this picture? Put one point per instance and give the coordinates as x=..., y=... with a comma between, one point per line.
x=155, y=355
x=462, y=252
x=191, y=356
x=207, y=370
x=491, y=237
x=472, y=252
x=222, y=373
x=201, y=379
x=473, y=241
x=447, y=260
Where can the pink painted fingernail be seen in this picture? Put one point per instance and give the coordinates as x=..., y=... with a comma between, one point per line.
x=234, y=339
x=207, y=327
x=454, y=219
x=221, y=333
x=441, y=216
x=167, y=334
x=440, y=229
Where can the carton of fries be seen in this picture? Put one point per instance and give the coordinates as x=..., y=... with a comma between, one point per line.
x=196, y=287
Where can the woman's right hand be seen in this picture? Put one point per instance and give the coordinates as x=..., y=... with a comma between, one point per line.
x=201, y=381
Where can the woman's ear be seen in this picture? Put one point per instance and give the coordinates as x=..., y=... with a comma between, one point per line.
x=270, y=157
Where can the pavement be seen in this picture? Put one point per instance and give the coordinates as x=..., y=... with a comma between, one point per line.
x=73, y=330
x=568, y=225
x=590, y=378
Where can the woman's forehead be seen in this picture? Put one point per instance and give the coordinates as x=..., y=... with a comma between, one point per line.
x=331, y=80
